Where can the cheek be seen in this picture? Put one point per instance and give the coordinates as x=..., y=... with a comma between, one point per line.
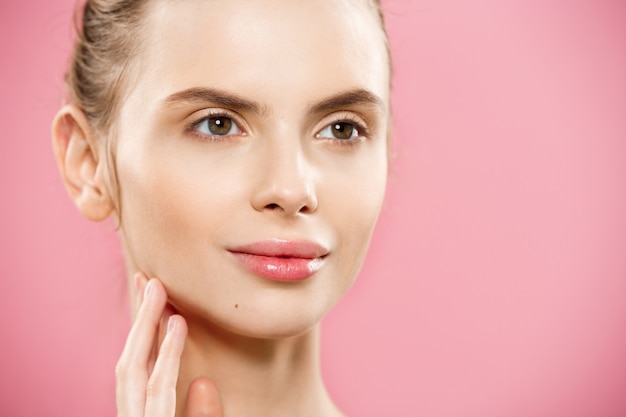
x=172, y=210
x=353, y=208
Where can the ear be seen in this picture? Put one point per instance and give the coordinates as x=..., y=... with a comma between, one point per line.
x=82, y=171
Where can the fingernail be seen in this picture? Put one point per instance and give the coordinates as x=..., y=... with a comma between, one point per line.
x=137, y=281
x=171, y=324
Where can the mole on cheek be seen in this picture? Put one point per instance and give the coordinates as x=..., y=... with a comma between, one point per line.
x=236, y=305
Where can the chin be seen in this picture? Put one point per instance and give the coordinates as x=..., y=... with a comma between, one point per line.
x=262, y=320
x=275, y=330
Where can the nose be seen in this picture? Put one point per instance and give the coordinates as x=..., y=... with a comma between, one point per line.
x=285, y=183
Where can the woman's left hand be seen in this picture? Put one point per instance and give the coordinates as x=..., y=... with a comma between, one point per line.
x=147, y=371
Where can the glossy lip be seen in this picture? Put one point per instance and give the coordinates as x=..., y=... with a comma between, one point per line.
x=281, y=260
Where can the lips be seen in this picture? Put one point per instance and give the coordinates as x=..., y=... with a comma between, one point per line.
x=281, y=260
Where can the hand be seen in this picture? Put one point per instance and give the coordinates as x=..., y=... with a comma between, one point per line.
x=147, y=372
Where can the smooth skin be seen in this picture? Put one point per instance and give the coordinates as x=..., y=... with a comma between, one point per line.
x=281, y=76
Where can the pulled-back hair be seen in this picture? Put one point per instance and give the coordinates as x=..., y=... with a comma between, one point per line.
x=108, y=35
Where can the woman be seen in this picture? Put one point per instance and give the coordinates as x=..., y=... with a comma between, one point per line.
x=241, y=147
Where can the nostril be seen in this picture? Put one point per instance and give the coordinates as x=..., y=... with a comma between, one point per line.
x=276, y=206
x=285, y=201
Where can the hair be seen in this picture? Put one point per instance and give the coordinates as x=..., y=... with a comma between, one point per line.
x=106, y=38
x=108, y=35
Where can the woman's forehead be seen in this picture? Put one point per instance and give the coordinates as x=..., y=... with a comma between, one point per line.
x=316, y=45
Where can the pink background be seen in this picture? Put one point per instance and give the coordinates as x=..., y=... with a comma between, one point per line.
x=496, y=284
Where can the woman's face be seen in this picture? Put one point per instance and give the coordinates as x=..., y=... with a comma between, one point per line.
x=254, y=133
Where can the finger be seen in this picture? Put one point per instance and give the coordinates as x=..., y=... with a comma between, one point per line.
x=139, y=280
x=203, y=399
x=161, y=388
x=131, y=371
x=168, y=311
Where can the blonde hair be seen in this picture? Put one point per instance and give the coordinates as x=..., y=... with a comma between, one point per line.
x=107, y=36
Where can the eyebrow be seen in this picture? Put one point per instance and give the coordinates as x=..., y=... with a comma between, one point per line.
x=359, y=96
x=215, y=96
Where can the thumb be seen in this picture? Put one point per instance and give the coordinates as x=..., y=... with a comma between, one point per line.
x=203, y=399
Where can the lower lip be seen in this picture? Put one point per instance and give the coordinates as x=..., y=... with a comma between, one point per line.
x=280, y=269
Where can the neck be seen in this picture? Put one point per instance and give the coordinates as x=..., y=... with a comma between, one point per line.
x=260, y=377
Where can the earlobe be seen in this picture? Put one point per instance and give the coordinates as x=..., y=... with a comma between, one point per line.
x=81, y=168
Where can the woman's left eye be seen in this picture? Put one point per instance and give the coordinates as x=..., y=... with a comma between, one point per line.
x=217, y=126
x=339, y=131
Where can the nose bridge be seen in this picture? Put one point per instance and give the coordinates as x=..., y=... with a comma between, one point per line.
x=285, y=179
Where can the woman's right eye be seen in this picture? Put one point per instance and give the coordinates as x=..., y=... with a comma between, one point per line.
x=217, y=126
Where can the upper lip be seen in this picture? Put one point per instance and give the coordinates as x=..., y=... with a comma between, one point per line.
x=281, y=248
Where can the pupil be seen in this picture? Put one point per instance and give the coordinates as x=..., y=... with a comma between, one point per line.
x=343, y=130
x=220, y=125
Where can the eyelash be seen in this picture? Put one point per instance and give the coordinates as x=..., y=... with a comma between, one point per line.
x=362, y=131
x=192, y=128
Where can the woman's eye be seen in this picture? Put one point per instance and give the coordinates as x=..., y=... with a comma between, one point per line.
x=340, y=131
x=218, y=126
